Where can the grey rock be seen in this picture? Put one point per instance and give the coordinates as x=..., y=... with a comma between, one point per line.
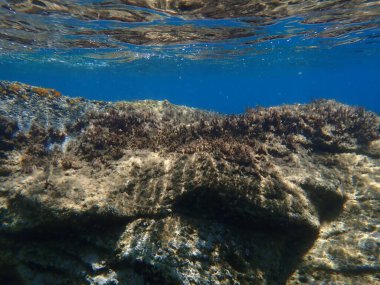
x=149, y=192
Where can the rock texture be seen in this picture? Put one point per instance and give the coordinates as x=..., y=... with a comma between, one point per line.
x=152, y=193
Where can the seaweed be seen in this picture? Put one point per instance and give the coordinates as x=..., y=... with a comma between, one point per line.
x=8, y=128
x=36, y=148
x=38, y=139
x=243, y=139
x=109, y=132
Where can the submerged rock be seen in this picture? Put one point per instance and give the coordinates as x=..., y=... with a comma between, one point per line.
x=152, y=193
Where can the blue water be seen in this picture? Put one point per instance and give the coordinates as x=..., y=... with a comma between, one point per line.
x=232, y=76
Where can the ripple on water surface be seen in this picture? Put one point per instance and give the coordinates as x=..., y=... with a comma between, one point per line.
x=127, y=30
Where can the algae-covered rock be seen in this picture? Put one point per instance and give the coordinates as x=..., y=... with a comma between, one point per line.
x=152, y=193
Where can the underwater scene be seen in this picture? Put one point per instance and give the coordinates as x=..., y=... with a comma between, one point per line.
x=189, y=142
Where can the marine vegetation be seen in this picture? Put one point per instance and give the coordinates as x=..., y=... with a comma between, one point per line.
x=319, y=126
x=24, y=91
x=36, y=144
x=7, y=129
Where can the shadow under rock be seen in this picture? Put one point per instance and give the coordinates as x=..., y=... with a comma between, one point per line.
x=59, y=249
x=9, y=275
x=275, y=246
x=328, y=201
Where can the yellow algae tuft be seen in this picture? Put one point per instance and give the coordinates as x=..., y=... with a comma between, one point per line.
x=15, y=87
x=74, y=101
x=46, y=92
x=24, y=91
x=40, y=91
x=56, y=93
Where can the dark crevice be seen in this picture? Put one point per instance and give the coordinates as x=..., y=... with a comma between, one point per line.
x=328, y=202
x=209, y=204
x=38, y=3
x=71, y=227
x=295, y=239
x=151, y=274
x=9, y=275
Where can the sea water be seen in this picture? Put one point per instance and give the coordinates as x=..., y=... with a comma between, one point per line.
x=221, y=60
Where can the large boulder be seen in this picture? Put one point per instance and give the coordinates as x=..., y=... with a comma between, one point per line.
x=152, y=193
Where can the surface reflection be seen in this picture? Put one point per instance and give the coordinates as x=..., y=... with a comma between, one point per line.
x=228, y=26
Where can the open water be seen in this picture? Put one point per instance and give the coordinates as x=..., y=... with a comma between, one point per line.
x=219, y=55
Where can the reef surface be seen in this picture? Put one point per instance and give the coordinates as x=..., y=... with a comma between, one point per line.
x=148, y=192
